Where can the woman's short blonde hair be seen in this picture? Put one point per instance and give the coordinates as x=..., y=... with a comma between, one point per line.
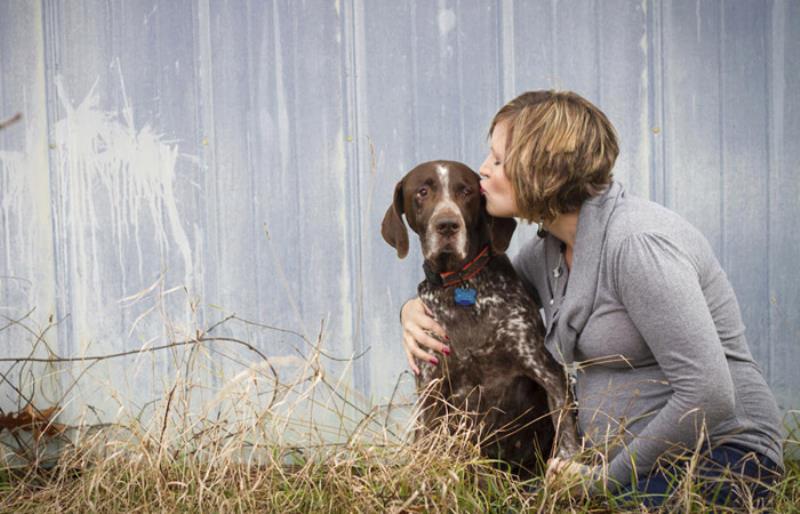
x=559, y=152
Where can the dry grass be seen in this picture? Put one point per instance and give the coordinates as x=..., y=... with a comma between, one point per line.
x=275, y=436
x=439, y=473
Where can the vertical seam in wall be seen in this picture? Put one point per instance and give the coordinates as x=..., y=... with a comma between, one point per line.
x=209, y=128
x=767, y=139
x=462, y=156
x=351, y=20
x=295, y=144
x=251, y=122
x=554, y=44
x=50, y=46
x=598, y=49
x=499, y=48
x=721, y=124
x=49, y=114
x=665, y=193
x=655, y=100
x=415, y=83
x=507, y=70
x=207, y=124
x=769, y=66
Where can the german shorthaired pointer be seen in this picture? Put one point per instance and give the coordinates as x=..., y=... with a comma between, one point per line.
x=499, y=369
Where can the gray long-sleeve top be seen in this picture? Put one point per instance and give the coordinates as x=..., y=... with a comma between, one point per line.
x=652, y=323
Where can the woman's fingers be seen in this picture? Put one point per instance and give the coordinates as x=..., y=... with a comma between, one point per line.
x=418, y=325
x=430, y=325
x=417, y=321
x=410, y=342
x=574, y=477
x=425, y=339
x=554, y=466
x=410, y=358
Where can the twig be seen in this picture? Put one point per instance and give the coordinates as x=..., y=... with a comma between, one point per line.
x=10, y=121
x=297, y=334
x=107, y=356
x=164, y=429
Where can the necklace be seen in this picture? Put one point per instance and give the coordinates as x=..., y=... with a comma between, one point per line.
x=557, y=272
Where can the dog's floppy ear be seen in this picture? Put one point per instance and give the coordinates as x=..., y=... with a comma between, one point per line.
x=500, y=232
x=500, y=229
x=393, y=229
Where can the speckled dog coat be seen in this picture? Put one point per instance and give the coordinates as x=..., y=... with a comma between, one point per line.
x=498, y=369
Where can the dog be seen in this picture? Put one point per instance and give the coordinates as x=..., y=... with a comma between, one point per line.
x=498, y=368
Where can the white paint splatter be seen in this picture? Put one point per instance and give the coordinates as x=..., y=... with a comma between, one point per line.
x=150, y=14
x=446, y=20
x=25, y=226
x=100, y=151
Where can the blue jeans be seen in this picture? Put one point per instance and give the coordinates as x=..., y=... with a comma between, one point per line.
x=720, y=476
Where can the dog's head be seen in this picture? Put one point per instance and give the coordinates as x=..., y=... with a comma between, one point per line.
x=443, y=205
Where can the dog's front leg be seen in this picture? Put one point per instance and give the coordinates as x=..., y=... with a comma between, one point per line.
x=562, y=410
x=547, y=373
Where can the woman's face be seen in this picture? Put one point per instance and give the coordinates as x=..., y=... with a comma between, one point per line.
x=495, y=185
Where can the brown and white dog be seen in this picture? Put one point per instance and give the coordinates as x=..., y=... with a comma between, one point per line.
x=498, y=368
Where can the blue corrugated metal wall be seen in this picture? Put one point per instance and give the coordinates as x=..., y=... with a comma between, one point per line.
x=182, y=160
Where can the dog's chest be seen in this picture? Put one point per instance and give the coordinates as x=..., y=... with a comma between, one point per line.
x=502, y=316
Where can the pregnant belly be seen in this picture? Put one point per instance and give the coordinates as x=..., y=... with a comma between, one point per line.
x=616, y=404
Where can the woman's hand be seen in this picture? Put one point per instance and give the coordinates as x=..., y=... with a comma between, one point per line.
x=419, y=328
x=576, y=477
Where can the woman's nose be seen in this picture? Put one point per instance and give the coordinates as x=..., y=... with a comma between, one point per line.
x=483, y=171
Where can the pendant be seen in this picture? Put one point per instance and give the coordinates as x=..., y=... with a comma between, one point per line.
x=465, y=296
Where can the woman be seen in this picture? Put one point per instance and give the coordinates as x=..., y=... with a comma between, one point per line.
x=632, y=295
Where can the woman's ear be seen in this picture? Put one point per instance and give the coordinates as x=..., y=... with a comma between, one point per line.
x=393, y=229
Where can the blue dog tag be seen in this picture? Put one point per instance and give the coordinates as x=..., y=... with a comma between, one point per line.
x=465, y=296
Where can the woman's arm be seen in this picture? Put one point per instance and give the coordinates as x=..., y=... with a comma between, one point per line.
x=659, y=286
x=418, y=325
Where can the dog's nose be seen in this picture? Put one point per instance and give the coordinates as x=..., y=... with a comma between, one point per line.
x=447, y=226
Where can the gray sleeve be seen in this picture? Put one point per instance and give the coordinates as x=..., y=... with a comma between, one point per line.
x=658, y=283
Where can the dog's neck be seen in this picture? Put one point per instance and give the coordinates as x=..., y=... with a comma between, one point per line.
x=476, y=260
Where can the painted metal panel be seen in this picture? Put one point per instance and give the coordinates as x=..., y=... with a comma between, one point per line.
x=278, y=181
x=429, y=88
x=743, y=135
x=690, y=106
x=783, y=163
x=211, y=157
x=27, y=282
x=123, y=172
x=598, y=49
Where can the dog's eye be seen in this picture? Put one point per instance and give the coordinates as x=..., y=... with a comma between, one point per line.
x=466, y=191
x=422, y=192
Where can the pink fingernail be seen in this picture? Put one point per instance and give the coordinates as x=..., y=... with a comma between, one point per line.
x=446, y=350
x=434, y=361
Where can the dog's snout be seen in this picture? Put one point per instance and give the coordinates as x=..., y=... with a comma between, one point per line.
x=447, y=226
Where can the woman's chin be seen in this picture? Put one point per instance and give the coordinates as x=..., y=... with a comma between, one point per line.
x=498, y=213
